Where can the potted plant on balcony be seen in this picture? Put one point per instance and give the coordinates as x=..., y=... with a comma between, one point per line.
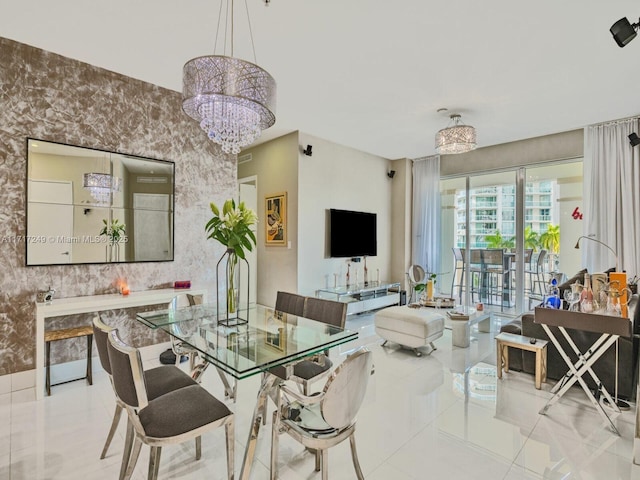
x=428, y=286
x=232, y=229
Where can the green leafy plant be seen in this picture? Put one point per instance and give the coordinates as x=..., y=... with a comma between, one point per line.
x=232, y=229
x=496, y=240
x=431, y=277
x=531, y=239
x=115, y=230
x=550, y=240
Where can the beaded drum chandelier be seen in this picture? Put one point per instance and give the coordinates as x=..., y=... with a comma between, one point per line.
x=101, y=186
x=233, y=100
x=458, y=138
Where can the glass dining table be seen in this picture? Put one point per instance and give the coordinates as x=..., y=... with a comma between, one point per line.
x=267, y=339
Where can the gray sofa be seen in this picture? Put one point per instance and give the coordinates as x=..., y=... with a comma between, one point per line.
x=604, y=368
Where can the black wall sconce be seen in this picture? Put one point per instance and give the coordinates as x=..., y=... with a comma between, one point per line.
x=391, y=173
x=307, y=151
x=623, y=31
x=634, y=140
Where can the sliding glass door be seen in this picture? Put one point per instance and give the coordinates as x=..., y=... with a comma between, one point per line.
x=501, y=234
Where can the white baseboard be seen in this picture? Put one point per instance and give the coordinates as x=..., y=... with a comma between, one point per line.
x=63, y=372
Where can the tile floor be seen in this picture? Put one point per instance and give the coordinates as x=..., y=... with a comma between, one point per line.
x=442, y=416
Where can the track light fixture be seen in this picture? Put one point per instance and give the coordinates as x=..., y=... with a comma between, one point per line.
x=391, y=173
x=634, y=139
x=307, y=151
x=623, y=31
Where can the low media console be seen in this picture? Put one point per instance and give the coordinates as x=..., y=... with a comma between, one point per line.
x=364, y=297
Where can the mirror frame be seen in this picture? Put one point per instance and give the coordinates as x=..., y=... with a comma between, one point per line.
x=86, y=206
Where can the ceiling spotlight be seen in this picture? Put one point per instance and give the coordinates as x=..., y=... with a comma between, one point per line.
x=307, y=151
x=634, y=139
x=623, y=31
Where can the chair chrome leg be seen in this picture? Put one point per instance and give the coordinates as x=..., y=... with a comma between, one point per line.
x=275, y=438
x=126, y=454
x=417, y=352
x=318, y=460
x=432, y=346
x=383, y=343
x=325, y=463
x=354, y=457
x=112, y=430
x=198, y=447
x=135, y=453
x=229, y=430
x=154, y=462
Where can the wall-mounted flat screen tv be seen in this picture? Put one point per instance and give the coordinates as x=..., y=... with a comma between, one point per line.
x=352, y=234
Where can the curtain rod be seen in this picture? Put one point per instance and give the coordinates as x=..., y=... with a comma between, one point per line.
x=615, y=122
x=422, y=159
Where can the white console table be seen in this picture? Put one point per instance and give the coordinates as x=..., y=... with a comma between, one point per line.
x=95, y=303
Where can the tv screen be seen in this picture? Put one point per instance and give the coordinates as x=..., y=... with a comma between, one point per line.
x=353, y=234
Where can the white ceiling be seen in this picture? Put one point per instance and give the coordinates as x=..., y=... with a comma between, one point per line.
x=371, y=74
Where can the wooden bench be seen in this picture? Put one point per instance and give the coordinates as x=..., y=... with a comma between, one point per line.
x=505, y=340
x=64, y=334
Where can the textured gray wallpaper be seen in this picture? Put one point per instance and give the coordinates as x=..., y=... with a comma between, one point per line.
x=47, y=96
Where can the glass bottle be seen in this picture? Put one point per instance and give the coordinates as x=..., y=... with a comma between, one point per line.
x=366, y=273
x=586, y=296
x=553, y=295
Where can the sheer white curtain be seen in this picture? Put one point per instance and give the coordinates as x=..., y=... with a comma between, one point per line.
x=425, y=235
x=612, y=196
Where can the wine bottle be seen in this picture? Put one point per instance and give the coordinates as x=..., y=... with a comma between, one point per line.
x=586, y=296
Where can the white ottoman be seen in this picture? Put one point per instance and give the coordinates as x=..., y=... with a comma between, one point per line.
x=410, y=327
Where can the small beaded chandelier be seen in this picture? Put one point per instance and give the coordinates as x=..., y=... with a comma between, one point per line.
x=458, y=138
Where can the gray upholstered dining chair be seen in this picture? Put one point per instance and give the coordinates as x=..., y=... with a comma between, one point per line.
x=325, y=311
x=159, y=380
x=290, y=303
x=321, y=421
x=174, y=417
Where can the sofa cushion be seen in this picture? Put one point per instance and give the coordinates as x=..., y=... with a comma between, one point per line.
x=515, y=354
x=514, y=326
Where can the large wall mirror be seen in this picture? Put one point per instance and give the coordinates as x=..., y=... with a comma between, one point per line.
x=93, y=206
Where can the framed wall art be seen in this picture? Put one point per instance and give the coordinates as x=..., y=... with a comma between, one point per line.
x=276, y=219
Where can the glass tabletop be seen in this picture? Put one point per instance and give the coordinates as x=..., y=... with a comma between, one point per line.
x=269, y=338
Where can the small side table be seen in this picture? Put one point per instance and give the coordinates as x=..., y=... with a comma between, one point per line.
x=505, y=340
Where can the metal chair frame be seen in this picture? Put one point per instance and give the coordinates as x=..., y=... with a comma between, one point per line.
x=537, y=280
x=337, y=409
x=101, y=334
x=458, y=266
x=136, y=434
x=415, y=275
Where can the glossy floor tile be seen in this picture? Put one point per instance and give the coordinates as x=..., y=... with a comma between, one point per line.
x=444, y=415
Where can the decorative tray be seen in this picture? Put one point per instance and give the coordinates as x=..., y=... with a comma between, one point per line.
x=444, y=302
